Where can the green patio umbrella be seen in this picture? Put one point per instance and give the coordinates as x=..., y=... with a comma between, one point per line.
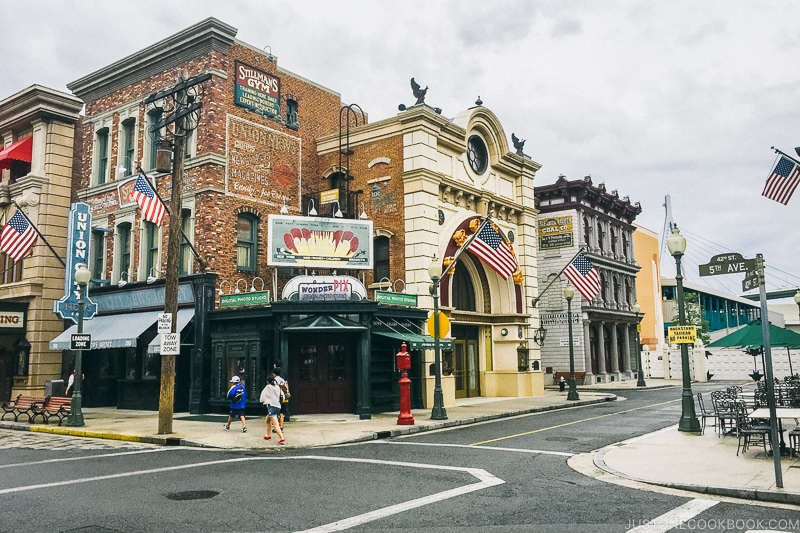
x=751, y=336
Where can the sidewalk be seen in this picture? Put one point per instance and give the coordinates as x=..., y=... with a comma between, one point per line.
x=706, y=464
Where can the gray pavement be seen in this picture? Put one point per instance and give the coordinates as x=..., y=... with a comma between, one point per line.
x=701, y=463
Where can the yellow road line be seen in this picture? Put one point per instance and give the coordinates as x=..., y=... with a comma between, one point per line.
x=571, y=423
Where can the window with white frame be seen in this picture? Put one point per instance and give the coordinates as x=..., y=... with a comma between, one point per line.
x=101, y=156
x=246, y=241
x=186, y=256
x=123, y=252
x=153, y=136
x=98, y=255
x=150, y=250
x=127, y=147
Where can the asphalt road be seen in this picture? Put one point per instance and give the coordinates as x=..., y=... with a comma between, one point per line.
x=506, y=475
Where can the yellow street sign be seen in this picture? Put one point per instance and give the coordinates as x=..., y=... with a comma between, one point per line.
x=444, y=325
x=681, y=334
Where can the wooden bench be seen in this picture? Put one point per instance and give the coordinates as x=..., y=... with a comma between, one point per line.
x=57, y=406
x=29, y=406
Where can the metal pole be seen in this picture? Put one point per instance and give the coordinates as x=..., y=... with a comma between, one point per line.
x=639, y=382
x=573, y=388
x=767, y=353
x=75, y=418
x=438, y=412
x=689, y=421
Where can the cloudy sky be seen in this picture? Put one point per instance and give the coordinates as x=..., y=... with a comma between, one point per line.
x=679, y=98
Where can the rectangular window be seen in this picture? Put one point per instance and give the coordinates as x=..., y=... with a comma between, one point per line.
x=12, y=272
x=128, y=147
x=98, y=255
x=102, y=156
x=186, y=253
x=124, y=232
x=246, y=234
x=155, y=135
x=151, y=249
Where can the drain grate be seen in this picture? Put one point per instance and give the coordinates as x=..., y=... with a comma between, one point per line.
x=191, y=495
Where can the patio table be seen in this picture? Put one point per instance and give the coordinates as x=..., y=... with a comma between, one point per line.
x=780, y=413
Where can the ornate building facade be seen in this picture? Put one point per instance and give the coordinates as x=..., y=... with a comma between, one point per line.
x=577, y=215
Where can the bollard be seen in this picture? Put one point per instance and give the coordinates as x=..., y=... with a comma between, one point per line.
x=405, y=418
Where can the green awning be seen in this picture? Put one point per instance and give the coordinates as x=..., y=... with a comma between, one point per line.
x=415, y=341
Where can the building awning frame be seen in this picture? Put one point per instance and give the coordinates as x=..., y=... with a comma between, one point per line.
x=415, y=341
x=110, y=331
x=18, y=151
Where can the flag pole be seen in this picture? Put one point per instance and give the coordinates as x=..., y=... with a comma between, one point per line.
x=200, y=261
x=536, y=300
x=786, y=155
x=467, y=243
x=39, y=233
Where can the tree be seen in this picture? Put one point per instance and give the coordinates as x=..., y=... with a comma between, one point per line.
x=694, y=316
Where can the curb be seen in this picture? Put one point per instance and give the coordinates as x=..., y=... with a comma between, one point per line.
x=378, y=435
x=761, y=495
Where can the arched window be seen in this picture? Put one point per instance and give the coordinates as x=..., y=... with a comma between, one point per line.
x=151, y=255
x=624, y=245
x=628, y=292
x=613, y=234
x=246, y=242
x=291, y=113
x=381, y=260
x=124, y=251
x=587, y=231
x=616, y=290
x=600, y=236
x=603, y=287
x=463, y=290
x=102, y=156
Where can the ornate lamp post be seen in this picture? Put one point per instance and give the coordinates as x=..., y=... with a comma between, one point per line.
x=572, y=394
x=438, y=412
x=676, y=244
x=75, y=417
x=637, y=309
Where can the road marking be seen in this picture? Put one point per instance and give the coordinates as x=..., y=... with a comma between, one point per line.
x=105, y=455
x=485, y=480
x=675, y=517
x=494, y=448
x=572, y=423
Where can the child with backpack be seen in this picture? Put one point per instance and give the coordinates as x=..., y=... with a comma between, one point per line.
x=237, y=395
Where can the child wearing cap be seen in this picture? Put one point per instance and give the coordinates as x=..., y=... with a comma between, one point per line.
x=237, y=395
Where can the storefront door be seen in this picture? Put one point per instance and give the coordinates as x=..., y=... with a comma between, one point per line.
x=322, y=376
x=466, y=368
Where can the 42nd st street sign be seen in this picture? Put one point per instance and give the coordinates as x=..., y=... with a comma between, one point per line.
x=727, y=264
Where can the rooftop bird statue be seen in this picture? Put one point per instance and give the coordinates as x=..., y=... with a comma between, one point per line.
x=518, y=144
x=419, y=94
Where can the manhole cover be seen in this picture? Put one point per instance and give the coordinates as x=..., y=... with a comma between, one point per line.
x=191, y=495
x=561, y=439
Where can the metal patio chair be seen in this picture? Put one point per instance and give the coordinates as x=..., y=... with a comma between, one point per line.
x=705, y=414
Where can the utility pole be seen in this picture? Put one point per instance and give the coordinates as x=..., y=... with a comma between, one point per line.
x=184, y=117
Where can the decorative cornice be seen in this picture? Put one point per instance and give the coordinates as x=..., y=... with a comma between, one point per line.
x=585, y=194
x=210, y=35
x=37, y=102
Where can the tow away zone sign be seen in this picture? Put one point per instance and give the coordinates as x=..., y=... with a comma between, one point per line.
x=681, y=334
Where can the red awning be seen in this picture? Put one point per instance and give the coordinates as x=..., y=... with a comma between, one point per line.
x=19, y=151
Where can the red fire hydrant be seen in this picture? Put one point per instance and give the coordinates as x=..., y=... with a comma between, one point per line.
x=405, y=418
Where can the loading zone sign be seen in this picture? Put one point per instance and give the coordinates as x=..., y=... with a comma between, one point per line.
x=681, y=334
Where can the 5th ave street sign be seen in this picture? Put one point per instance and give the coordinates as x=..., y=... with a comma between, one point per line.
x=727, y=264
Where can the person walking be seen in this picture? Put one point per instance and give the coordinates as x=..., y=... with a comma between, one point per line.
x=237, y=395
x=284, y=386
x=271, y=396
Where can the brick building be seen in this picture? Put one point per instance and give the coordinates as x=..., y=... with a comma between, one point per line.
x=269, y=149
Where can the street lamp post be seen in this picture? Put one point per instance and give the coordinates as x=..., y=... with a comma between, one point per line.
x=438, y=412
x=75, y=417
x=572, y=394
x=640, y=381
x=676, y=244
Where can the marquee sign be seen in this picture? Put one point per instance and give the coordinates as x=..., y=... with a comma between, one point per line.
x=78, y=235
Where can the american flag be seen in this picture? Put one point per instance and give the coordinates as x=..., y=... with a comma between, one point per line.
x=18, y=237
x=490, y=247
x=584, y=276
x=782, y=182
x=152, y=207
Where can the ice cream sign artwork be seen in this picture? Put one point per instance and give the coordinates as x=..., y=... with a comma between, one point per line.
x=78, y=234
